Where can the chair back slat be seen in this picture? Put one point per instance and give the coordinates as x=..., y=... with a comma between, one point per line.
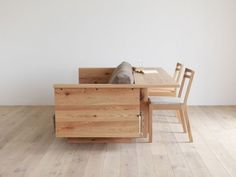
x=178, y=71
x=188, y=76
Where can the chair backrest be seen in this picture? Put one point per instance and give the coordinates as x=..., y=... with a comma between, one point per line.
x=188, y=76
x=178, y=71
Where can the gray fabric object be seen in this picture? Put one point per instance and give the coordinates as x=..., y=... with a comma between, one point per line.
x=123, y=74
x=165, y=100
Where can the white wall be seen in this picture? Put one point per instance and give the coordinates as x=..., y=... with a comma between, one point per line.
x=44, y=42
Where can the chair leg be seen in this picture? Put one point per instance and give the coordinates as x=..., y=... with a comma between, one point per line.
x=181, y=113
x=187, y=123
x=150, y=124
x=178, y=116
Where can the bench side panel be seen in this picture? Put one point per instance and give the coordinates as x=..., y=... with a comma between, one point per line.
x=93, y=112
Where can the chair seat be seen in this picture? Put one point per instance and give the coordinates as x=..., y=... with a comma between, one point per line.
x=165, y=100
x=162, y=90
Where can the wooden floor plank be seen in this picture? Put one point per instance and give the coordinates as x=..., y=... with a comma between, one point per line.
x=176, y=156
x=96, y=160
x=192, y=157
x=226, y=160
x=29, y=148
x=145, y=160
x=129, y=164
x=37, y=145
x=23, y=141
x=161, y=160
x=111, y=166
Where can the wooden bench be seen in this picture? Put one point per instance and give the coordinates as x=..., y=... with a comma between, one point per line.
x=94, y=111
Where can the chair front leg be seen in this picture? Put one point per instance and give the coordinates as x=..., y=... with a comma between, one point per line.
x=187, y=123
x=182, y=118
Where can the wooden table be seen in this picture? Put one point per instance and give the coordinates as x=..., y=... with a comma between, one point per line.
x=160, y=79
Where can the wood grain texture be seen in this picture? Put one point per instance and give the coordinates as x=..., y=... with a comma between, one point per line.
x=159, y=79
x=144, y=112
x=93, y=96
x=162, y=92
x=30, y=149
x=95, y=75
x=85, y=109
x=97, y=112
x=98, y=129
x=98, y=78
x=168, y=91
x=100, y=140
x=111, y=167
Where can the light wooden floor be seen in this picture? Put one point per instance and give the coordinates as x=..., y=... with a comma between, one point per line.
x=28, y=147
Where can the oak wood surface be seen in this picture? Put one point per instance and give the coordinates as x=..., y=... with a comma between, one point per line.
x=95, y=75
x=159, y=79
x=29, y=147
x=97, y=112
x=95, y=109
x=168, y=91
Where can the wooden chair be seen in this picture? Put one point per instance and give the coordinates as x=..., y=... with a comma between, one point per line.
x=168, y=91
x=174, y=103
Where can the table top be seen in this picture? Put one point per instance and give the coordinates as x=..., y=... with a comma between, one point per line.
x=158, y=78
x=154, y=77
